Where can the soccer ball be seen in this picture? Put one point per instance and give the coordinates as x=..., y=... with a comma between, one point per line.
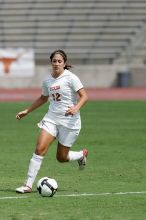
x=47, y=186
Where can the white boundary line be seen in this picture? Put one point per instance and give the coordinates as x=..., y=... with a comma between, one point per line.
x=101, y=194
x=13, y=197
x=79, y=195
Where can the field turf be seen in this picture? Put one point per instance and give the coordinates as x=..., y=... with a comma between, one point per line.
x=114, y=133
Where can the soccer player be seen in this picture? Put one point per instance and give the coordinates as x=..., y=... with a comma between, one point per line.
x=62, y=121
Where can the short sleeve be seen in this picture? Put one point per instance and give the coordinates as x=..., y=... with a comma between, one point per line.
x=45, y=91
x=76, y=83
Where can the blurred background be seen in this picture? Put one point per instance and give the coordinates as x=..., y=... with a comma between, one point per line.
x=105, y=41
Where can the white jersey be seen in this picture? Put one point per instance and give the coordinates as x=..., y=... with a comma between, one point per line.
x=62, y=92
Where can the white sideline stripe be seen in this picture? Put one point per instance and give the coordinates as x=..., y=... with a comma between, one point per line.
x=79, y=195
x=14, y=197
x=100, y=194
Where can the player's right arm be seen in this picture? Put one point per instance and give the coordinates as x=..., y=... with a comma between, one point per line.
x=40, y=101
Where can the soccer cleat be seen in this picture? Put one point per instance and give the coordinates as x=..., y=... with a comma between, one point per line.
x=23, y=189
x=82, y=162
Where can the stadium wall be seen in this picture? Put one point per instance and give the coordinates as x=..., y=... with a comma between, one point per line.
x=96, y=76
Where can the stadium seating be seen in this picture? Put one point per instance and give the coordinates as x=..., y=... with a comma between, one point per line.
x=95, y=31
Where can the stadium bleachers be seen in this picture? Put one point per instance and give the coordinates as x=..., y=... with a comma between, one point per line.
x=95, y=31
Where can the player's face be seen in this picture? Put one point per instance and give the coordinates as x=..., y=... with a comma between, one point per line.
x=57, y=65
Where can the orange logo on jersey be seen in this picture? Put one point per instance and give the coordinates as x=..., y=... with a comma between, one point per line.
x=54, y=88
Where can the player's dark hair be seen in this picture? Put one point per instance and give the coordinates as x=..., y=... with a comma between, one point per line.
x=63, y=54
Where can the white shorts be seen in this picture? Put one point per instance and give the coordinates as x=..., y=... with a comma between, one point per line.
x=64, y=135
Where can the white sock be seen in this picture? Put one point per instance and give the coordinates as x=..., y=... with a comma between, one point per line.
x=34, y=166
x=75, y=155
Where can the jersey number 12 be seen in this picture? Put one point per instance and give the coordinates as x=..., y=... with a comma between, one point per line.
x=56, y=97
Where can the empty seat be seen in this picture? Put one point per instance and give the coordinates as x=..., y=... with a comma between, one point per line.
x=94, y=29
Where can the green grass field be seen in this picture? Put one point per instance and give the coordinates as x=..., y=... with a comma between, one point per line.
x=115, y=135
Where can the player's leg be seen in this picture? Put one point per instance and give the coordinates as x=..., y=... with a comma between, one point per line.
x=43, y=142
x=66, y=139
x=62, y=153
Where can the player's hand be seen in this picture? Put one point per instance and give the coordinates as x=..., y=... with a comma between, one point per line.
x=71, y=111
x=21, y=114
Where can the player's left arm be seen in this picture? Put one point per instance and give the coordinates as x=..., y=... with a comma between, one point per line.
x=83, y=97
x=81, y=101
